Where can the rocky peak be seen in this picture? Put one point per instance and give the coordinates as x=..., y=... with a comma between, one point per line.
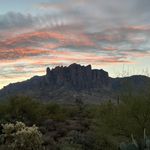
x=77, y=76
x=48, y=70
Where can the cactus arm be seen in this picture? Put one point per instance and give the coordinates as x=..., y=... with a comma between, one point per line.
x=134, y=141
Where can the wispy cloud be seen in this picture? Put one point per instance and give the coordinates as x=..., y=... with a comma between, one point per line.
x=64, y=31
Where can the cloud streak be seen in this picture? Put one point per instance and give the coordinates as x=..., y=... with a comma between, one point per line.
x=61, y=32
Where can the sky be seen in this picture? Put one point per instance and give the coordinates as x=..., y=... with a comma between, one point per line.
x=110, y=34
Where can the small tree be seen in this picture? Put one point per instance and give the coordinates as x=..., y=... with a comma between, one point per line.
x=20, y=137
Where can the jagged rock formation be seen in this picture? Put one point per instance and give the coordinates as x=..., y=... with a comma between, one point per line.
x=63, y=84
x=77, y=76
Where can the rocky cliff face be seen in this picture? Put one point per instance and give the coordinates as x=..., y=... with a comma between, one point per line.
x=78, y=77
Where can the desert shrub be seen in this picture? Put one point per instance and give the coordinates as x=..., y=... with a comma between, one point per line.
x=55, y=112
x=20, y=137
x=25, y=109
x=81, y=126
x=114, y=123
x=3, y=112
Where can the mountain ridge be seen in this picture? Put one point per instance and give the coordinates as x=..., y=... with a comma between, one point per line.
x=63, y=84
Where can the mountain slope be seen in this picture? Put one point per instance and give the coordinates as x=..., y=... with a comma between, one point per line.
x=63, y=84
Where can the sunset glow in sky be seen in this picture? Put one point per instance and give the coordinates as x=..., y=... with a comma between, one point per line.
x=35, y=34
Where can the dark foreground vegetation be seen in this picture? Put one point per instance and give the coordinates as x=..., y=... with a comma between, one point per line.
x=107, y=126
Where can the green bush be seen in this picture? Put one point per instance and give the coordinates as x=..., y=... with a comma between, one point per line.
x=25, y=109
